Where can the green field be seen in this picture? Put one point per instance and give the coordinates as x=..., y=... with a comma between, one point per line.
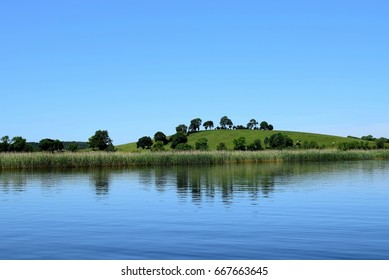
x=227, y=136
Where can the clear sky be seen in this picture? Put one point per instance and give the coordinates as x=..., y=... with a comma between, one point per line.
x=69, y=68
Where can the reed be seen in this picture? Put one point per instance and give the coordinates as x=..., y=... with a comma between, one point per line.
x=102, y=159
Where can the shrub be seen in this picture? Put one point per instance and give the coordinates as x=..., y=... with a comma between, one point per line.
x=310, y=145
x=202, y=144
x=178, y=138
x=158, y=146
x=240, y=144
x=280, y=141
x=255, y=146
x=184, y=147
x=221, y=146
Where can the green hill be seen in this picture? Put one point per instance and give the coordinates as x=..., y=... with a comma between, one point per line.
x=215, y=137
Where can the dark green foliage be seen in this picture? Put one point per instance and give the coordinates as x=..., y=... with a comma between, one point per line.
x=178, y=138
x=145, y=142
x=240, y=144
x=239, y=126
x=160, y=136
x=221, y=146
x=195, y=125
x=226, y=122
x=252, y=124
x=280, y=141
x=265, y=126
x=380, y=143
x=355, y=145
x=255, y=146
x=208, y=124
x=182, y=128
x=5, y=144
x=158, y=146
x=310, y=145
x=73, y=147
x=19, y=144
x=202, y=144
x=101, y=141
x=50, y=145
x=184, y=147
x=266, y=141
x=368, y=138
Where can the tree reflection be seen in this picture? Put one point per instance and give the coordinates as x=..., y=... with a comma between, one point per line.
x=101, y=179
x=224, y=181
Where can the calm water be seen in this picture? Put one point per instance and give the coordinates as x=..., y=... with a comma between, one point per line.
x=252, y=211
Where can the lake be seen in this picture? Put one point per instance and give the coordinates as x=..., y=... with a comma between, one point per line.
x=233, y=211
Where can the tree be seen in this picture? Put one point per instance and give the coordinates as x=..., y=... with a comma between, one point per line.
x=182, y=128
x=4, y=144
x=202, y=144
x=178, y=138
x=225, y=122
x=160, y=136
x=144, y=142
x=195, y=125
x=50, y=145
x=280, y=141
x=252, y=124
x=101, y=141
x=263, y=125
x=240, y=144
x=208, y=124
x=18, y=144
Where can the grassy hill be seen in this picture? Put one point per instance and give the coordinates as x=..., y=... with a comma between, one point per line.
x=227, y=136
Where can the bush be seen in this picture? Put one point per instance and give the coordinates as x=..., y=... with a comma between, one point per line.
x=202, y=144
x=255, y=146
x=240, y=144
x=354, y=145
x=184, y=147
x=221, y=146
x=280, y=141
x=310, y=145
x=73, y=147
x=158, y=146
x=178, y=138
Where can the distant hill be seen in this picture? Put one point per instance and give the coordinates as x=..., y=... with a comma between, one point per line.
x=215, y=137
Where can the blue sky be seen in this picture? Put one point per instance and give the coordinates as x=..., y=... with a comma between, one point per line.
x=69, y=68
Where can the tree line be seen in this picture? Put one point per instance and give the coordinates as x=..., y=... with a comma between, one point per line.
x=180, y=138
x=99, y=141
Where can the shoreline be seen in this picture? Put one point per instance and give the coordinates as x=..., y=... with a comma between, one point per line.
x=41, y=160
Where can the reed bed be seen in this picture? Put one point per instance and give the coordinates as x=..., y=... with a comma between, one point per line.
x=102, y=159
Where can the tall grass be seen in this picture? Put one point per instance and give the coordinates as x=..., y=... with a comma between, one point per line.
x=102, y=159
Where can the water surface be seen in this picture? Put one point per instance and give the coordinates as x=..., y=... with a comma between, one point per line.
x=247, y=211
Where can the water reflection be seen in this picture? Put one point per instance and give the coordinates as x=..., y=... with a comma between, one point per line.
x=198, y=183
x=100, y=178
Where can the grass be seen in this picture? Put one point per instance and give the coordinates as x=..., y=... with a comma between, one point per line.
x=20, y=161
x=215, y=137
